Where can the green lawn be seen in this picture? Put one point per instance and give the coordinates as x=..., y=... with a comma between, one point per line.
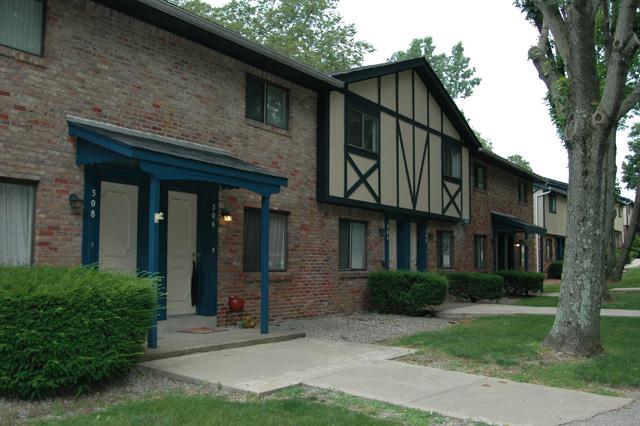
x=509, y=347
x=619, y=301
x=631, y=278
x=292, y=406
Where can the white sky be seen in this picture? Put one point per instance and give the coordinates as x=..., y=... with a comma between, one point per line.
x=508, y=106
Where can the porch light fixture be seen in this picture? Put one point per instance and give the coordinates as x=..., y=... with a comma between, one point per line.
x=76, y=204
x=382, y=232
x=225, y=216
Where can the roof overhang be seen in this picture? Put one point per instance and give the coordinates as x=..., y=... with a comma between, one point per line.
x=171, y=18
x=166, y=158
x=501, y=222
x=501, y=162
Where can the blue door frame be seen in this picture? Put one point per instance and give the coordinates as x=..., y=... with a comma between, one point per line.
x=403, y=241
x=207, y=244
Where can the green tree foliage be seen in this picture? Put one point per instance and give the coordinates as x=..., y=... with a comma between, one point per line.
x=486, y=143
x=519, y=160
x=453, y=70
x=631, y=164
x=310, y=31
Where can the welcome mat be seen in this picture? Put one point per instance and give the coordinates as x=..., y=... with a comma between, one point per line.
x=202, y=330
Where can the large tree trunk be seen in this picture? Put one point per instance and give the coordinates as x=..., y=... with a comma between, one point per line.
x=576, y=329
x=616, y=275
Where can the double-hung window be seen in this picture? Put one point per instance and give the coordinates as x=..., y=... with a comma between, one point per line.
x=480, y=177
x=16, y=223
x=523, y=191
x=445, y=249
x=553, y=203
x=451, y=161
x=22, y=25
x=352, y=249
x=277, y=241
x=267, y=103
x=479, y=242
x=548, y=248
x=362, y=130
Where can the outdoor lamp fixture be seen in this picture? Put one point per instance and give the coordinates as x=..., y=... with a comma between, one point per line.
x=517, y=244
x=382, y=232
x=76, y=204
x=225, y=215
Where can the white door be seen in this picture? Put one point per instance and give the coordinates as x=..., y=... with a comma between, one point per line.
x=393, y=244
x=118, y=227
x=414, y=247
x=181, y=250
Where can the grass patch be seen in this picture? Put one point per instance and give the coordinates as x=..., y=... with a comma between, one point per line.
x=509, y=347
x=551, y=288
x=631, y=278
x=619, y=301
x=293, y=406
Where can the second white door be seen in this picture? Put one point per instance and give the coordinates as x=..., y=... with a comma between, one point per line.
x=181, y=251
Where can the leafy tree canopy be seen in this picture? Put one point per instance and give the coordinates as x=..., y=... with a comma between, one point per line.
x=486, y=143
x=519, y=160
x=631, y=164
x=453, y=70
x=310, y=31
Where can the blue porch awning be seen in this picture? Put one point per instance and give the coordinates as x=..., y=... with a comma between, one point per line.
x=506, y=223
x=168, y=159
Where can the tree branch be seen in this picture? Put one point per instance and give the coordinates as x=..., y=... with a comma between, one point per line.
x=558, y=28
x=629, y=102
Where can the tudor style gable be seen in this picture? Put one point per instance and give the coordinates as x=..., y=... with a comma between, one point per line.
x=392, y=142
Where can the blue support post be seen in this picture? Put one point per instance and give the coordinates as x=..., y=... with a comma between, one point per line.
x=264, y=266
x=386, y=242
x=153, y=243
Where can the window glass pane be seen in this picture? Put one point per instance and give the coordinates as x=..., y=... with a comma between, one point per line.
x=358, y=236
x=370, y=133
x=355, y=128
x=16, y=223
x=277, y=242
x=456, y=163
x=343, y=244
x=445, y=250
x=276, y=106
x=480, y=240
x=446, y=166
x=21, y=24
x=255, y=99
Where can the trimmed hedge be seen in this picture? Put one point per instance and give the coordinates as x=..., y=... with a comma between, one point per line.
x=520, y=283
x=66, y=329
x=404, y=292
x=475, y=286
x=555, y=269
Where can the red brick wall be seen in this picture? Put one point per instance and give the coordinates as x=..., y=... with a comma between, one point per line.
x=102, y=65
x=501, y=196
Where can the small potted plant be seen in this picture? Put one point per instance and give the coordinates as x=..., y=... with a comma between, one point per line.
x=236, y=304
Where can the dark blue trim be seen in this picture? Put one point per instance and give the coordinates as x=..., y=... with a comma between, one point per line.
x=91, y=218
x=153, y=249
x=421, y=252
x=264, y=266
x=404, y=244
x=386, y=242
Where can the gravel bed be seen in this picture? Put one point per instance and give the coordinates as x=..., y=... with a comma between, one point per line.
x=625, y=416
x=364, y=327
x=139, y=384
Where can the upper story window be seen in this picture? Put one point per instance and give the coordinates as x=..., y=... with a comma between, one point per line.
x=22, y=25
x=523, y=192
x=363, y=130
x=451, y=161
x=480, y=177
x=267, y=103
x=553, y=203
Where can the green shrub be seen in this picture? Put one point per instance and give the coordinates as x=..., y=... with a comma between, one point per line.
x=404, y=292
x=520, y=283
x=66, y=329
x=555, y=269
x=474, y=286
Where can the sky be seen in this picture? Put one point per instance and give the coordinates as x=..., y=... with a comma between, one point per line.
x=508, y=106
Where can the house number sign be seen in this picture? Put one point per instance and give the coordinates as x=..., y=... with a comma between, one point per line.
x=213, y=222
x=92, y=203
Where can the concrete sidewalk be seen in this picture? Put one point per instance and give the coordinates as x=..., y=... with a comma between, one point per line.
x=369, y=371
x=466, y=310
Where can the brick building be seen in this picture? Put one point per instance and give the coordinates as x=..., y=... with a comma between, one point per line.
x=138, y=136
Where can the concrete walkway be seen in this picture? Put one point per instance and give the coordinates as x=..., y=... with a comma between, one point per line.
x=369, y=371
x=465, y=310
x=616, y=290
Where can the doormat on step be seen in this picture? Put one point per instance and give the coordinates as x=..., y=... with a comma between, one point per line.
x=202, y=330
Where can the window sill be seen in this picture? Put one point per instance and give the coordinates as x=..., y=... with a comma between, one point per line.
x=26, y=57
x=348, y=275
x=484, y=191
x=267, y=127
x=274, y=277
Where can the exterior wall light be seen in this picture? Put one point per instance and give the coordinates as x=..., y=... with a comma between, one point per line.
x=76, y=204
x=225, y=216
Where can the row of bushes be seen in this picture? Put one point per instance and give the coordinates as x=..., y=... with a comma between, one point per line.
x=555, y=269
x=409, y=293
x=68, y=329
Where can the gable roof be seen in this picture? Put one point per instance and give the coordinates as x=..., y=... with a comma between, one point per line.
x=430, y=79
x=502, y=162
x=178, y=21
